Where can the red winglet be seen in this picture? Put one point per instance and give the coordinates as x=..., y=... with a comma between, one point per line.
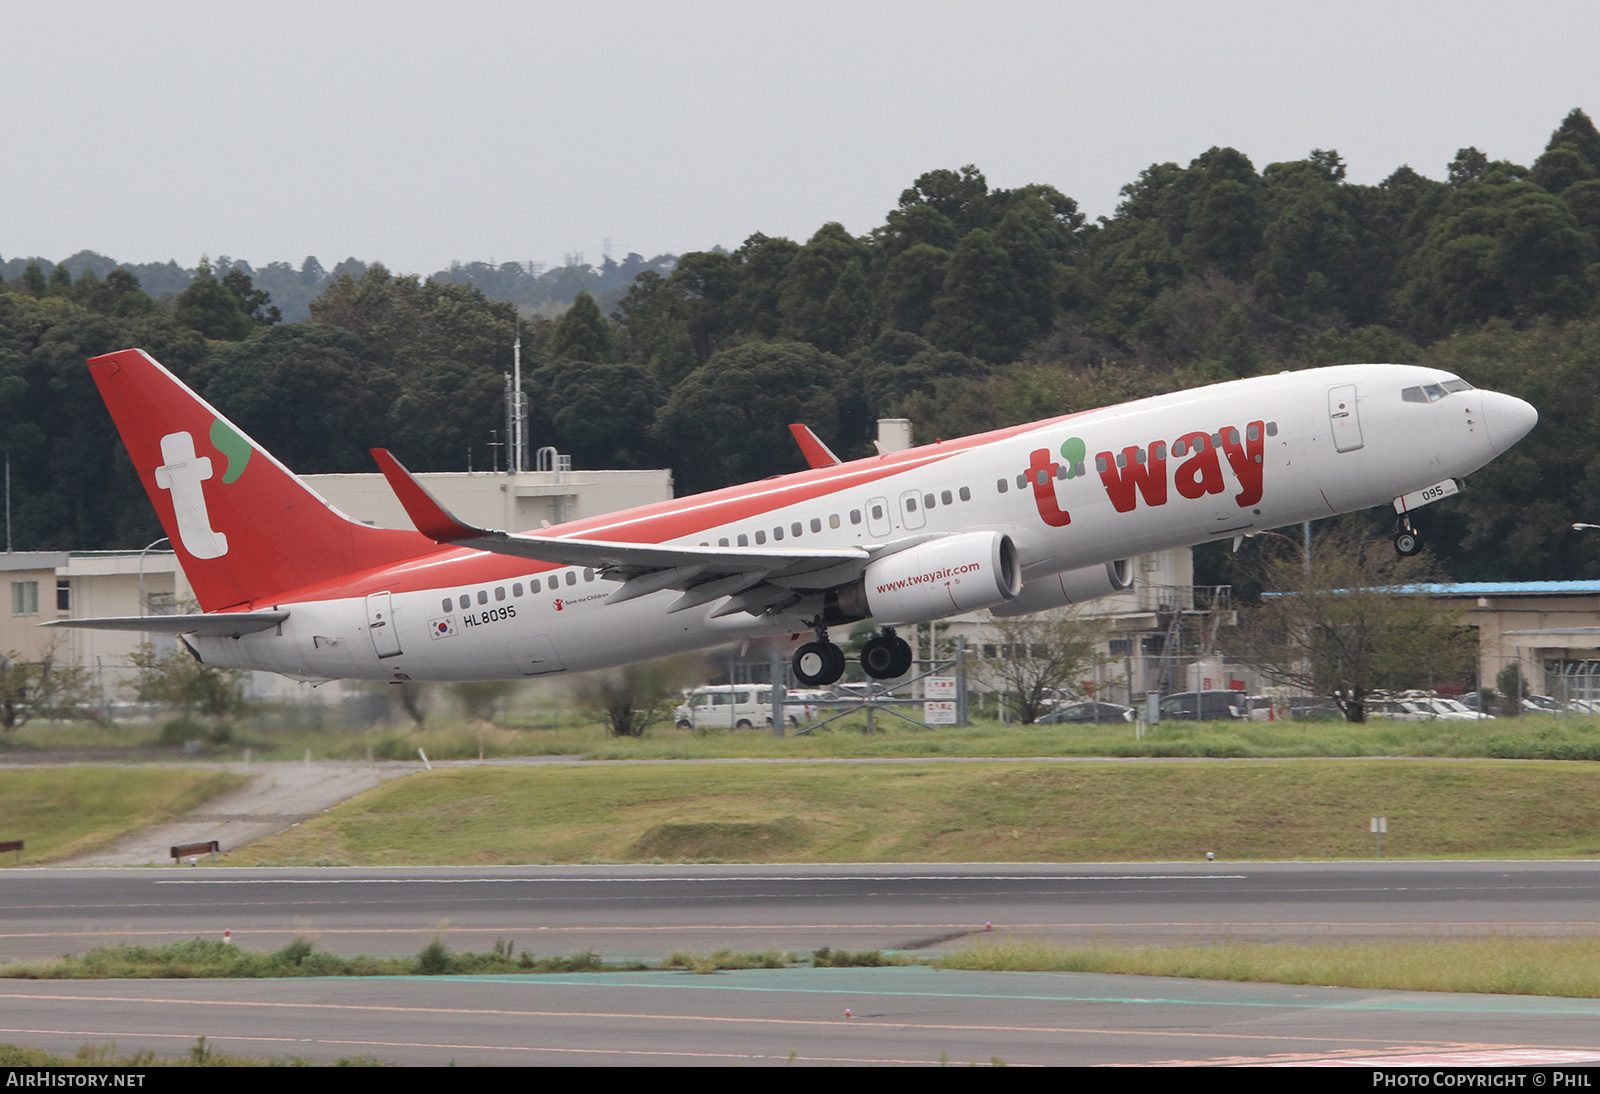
x=432, y=519
x=817, y=454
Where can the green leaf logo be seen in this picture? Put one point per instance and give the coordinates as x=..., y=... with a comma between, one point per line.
x=225, y=440
x=1073, y=451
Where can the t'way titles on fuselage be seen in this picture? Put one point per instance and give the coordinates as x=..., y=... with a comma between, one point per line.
x=1141, y=471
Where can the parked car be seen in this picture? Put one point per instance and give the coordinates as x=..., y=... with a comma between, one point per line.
x=1085, y=712
x=1205, y=706
x=736, y=706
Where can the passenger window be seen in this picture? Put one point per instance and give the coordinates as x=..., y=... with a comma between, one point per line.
x=947, y=497
x=1138, y=455
x=588, y=575
x=1216, y=440
x=966, y=494
x=761, y=537
x=483, y=596
x=855, y=516
x=516, y=589
x=777, y=533
x=816, y=523
x=447, y=603
x=466, y=602
x=877, y=512
x=1100, y=464
x=1022, y=481
x=833, y=520
x=927, y=501
x=1122, y=459
x=499, y=592
x=795, y=529
x=1272, y=429
x=534, y=585
x=1253, y=433
x=911, y=505
x=723, y=542
x=1233, y=437
x=744, y=540
x=572, y=577
x=1001, y=485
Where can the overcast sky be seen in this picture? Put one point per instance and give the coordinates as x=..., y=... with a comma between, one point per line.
x=418, y=133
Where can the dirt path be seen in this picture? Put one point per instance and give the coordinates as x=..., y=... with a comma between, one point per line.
x=278, y=796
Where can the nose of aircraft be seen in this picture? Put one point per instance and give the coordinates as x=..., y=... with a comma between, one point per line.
x=1507, y=419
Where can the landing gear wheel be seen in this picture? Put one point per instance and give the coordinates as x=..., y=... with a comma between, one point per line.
x=1407, y=540
x=818, y=664
x=880, y=659
x=887, y=656
x=902, y=657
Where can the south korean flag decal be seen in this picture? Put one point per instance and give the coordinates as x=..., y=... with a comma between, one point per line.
x=442, y=628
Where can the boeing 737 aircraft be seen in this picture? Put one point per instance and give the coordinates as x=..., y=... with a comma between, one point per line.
x=1018, y=520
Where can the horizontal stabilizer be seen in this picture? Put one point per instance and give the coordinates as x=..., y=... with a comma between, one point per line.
x=206, y=624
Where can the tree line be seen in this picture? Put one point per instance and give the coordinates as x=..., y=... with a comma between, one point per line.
x=968, y=308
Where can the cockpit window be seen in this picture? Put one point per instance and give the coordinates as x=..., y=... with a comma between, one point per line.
x=1432, y=393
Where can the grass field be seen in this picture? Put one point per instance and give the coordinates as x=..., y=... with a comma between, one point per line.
x=981, y=812
x=1506, y=966
x=557, y=733
x=66, y=811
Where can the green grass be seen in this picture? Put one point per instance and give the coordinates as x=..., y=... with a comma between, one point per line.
x=199, y=1055
x=1506, y=966
x=66, y=811
x=979, y=812
x=544, y=732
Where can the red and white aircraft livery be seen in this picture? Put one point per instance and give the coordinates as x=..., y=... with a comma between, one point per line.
x=1018, y=520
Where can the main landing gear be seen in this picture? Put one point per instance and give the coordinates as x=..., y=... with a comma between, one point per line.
x=820, y=663
x=887, y=656
x=1407, y=540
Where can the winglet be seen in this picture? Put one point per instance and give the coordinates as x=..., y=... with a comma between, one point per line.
x=817, y=454
x=432, y=519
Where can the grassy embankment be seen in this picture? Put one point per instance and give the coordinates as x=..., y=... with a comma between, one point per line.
x=65, y=811
x=979, y=812
x=554, y=732
x=1567, y=967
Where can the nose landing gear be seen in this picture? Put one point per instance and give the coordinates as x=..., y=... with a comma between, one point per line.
x=1407, y=540
x=886, y=656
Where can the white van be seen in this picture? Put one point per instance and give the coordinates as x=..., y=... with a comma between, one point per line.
x=736, y=706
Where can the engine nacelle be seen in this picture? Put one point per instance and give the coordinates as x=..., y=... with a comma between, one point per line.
x=942, y=577
x=1070, y=587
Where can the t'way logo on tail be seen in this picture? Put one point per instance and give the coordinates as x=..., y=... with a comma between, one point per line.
x=181, y=476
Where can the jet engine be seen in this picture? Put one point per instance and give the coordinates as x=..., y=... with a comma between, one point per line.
x=942, y=577
x=1070, y=587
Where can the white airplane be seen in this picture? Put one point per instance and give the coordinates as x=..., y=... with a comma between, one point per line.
x=1018, y=520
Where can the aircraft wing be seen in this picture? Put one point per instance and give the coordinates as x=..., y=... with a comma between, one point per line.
x=207, y=624
x=756, y=578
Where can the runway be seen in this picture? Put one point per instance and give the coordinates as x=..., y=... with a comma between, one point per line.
x=899, y=1015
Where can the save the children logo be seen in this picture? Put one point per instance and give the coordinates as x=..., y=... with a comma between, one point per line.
x=1141, y=470
x=181, y=475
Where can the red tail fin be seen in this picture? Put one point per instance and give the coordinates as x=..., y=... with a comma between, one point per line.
x=245, y=528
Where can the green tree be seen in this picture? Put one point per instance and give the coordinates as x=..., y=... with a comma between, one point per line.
x=176, y=680
x=1341, y=630
x=726, y=422
x=39, y=689
x=1041, y=658
x=212, y=308
x=583, y=333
